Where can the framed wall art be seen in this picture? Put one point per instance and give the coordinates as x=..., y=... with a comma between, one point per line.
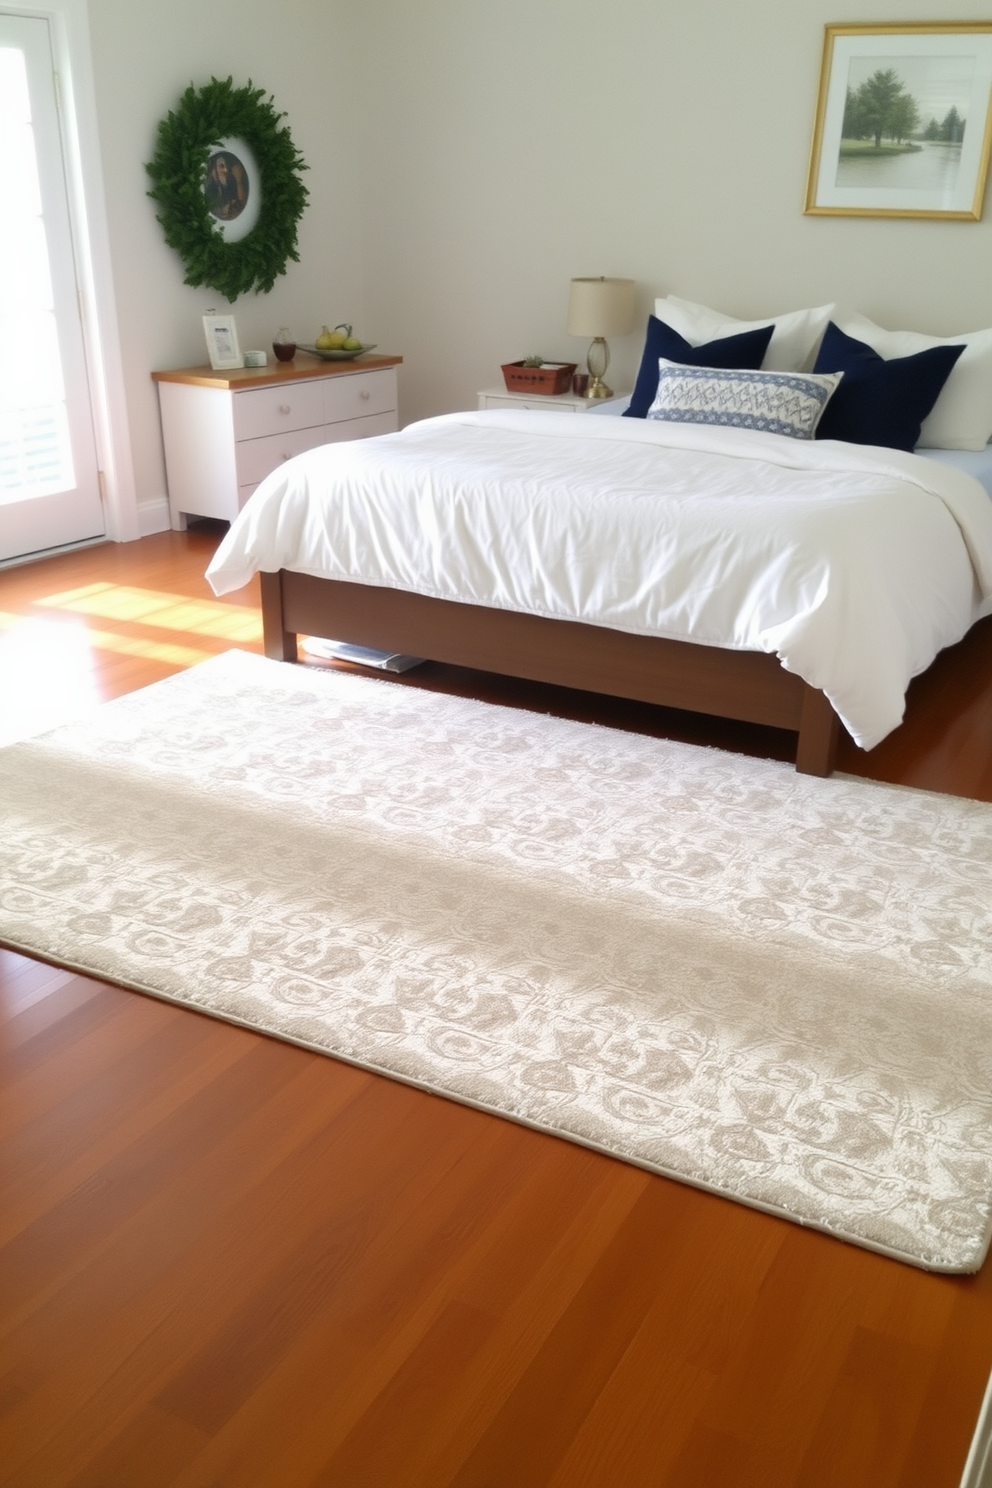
x=228, y=187
x=903, y=121
x=222, y=342
x=232, y=186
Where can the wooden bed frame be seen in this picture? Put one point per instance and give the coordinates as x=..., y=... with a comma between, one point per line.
x=748, y=685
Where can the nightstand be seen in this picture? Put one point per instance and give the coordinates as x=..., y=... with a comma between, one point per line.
x=498, y=397
x=224, y=432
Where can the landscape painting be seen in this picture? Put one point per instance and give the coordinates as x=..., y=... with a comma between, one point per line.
x=903, y=121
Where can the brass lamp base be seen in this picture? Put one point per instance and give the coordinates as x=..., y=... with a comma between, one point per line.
x=597, y=360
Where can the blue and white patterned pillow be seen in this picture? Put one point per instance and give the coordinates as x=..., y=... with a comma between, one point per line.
x=788, y=403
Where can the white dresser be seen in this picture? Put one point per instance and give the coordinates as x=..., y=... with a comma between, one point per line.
x=224, y=432
x=498, y=397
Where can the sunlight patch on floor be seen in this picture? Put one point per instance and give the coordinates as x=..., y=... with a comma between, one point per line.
x=167, y=651
x=49, y=672
x=47, y=675
x=163, y=610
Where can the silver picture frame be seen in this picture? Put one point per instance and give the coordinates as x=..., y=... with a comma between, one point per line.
x=222, y=342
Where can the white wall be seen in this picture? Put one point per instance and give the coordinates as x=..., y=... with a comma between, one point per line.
x=521, y=142
x=468, y=157
x=146, y=52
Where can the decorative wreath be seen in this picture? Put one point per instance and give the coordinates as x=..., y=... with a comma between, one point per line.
x=204, y=117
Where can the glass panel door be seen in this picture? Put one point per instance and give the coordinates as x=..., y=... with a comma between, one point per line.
x=49, y=486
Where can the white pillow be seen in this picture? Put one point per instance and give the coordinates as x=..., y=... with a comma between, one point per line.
x=795, y=339
x=788, y=403
x=961, y=418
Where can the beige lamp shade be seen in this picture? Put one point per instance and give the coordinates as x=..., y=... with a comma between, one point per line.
x=601, y=307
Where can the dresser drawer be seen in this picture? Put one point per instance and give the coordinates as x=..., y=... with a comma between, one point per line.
x=257, y=458
x=270, y=410
x=361, y=428
x=350, y=396
x=225, y=433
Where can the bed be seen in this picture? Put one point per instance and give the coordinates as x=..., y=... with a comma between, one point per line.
x=728, y=570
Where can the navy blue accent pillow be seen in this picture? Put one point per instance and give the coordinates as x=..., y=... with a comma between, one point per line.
x=880, y=402
x=735, y=353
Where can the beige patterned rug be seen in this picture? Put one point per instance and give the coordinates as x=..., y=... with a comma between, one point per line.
x=774, y=987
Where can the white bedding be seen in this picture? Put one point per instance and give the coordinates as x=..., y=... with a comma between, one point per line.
x=855, y=565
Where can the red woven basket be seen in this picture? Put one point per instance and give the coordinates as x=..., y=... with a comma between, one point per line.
x=555, y=377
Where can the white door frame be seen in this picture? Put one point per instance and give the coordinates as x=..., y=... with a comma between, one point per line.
x=69, y=24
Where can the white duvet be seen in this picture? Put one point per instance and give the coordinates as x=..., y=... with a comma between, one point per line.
x=855, y=565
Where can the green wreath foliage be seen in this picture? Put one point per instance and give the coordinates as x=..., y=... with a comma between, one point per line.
x=185, y=136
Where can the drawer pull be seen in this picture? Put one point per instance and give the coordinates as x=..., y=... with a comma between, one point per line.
x=284, y=408
x=365, y=394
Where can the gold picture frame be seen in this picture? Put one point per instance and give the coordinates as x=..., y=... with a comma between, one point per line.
x=903, y=121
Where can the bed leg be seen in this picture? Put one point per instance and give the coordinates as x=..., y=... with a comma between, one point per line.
x=819, y=728
x=279, y=644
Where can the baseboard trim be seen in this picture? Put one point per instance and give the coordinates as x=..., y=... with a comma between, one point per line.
x=43, y=553
x=153, y=516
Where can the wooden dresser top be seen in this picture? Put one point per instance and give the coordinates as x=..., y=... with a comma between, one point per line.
x=303, y=366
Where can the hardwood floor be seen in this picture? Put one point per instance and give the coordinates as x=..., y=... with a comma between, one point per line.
x=228, y=1263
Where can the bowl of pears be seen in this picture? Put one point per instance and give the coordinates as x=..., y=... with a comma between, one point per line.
x=338, y=345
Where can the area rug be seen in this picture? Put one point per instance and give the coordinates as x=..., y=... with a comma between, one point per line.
x=773, y=987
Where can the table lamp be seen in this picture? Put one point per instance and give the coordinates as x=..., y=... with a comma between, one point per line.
x=600, y=308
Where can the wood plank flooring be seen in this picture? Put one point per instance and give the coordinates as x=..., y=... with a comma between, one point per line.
x=229, y=1263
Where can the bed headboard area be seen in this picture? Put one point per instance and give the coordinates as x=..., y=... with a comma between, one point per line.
x=897, y=389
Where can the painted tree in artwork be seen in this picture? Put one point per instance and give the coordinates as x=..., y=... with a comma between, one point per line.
x=904, y=118
x=880, y=107
x=950, y=131
x=852, y=127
